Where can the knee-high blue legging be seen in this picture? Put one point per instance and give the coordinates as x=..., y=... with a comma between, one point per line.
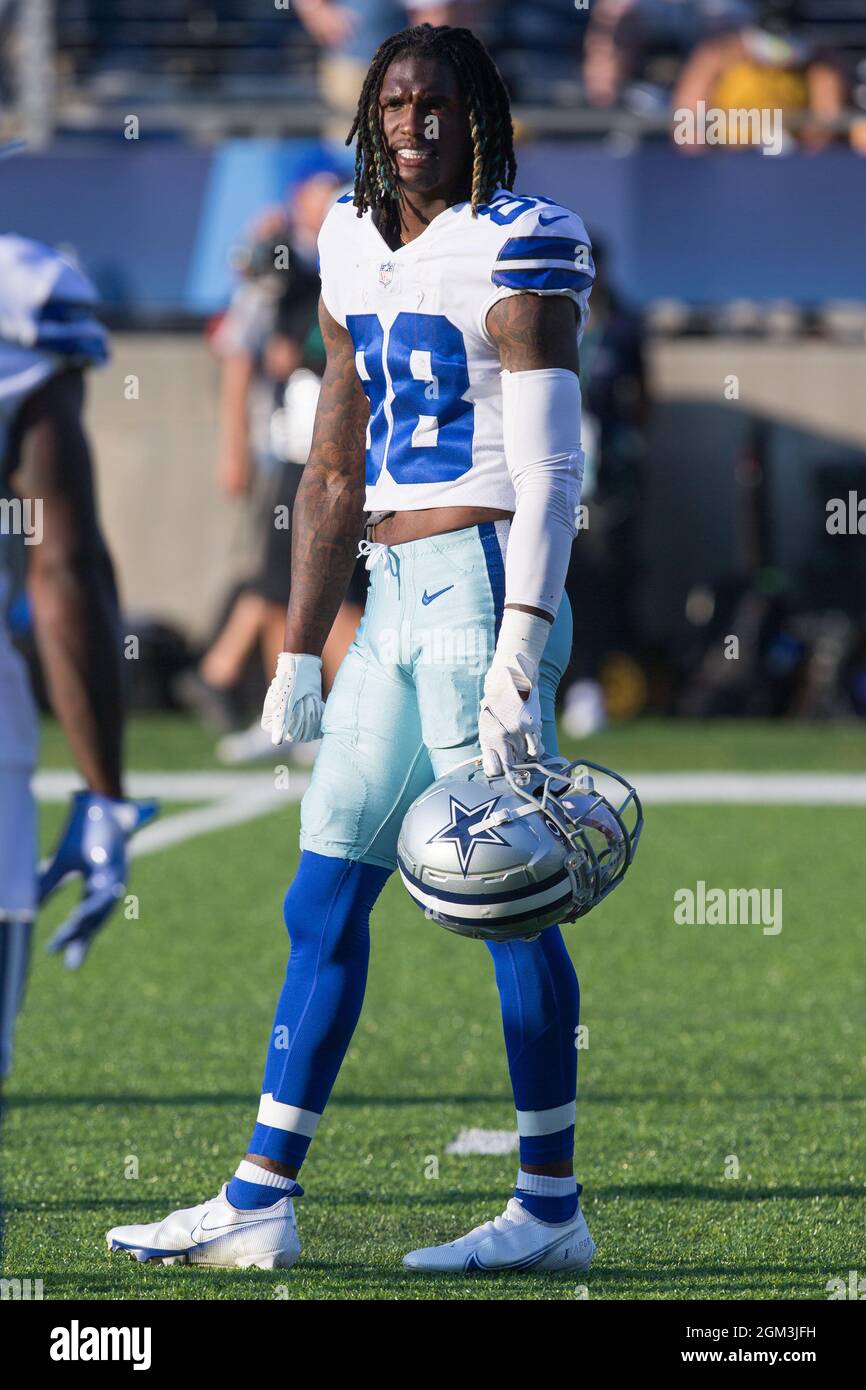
x=327, y=912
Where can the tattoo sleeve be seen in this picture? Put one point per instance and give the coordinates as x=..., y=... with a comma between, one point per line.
x=329, y=508
x=533, y=331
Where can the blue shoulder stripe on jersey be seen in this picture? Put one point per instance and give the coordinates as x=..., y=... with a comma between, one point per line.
x=90, y=346
x=69, y=328
x=573, y=281
x=540, y=248
x=346, y=198
x=65, y=311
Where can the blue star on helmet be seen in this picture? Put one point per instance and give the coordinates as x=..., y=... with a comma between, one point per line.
x=457, y=831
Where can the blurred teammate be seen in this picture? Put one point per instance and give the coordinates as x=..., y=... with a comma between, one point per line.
x=451, y=312
x=50, y=534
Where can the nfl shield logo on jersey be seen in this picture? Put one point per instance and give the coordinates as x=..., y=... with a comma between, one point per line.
x=386, y=274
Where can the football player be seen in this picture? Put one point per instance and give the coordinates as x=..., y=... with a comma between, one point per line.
x=51, y=536
x=451, y=310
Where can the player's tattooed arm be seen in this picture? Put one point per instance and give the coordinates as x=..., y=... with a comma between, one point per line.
x=328, y=517
x=534, y=331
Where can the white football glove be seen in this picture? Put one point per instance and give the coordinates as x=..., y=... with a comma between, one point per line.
x=509, y=726
x=293, y=705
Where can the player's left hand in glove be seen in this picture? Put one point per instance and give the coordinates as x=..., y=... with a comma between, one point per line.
x=509, y=726
x=92, y=844
x=293, y=705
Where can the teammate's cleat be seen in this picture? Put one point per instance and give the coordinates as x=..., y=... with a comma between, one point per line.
x=515, y=1240
x=215, y=1233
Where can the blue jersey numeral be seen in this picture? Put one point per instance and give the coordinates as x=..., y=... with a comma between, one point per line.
x=366, y=333
x=433, y=425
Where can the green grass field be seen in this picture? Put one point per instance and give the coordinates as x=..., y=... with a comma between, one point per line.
x=705, y=1042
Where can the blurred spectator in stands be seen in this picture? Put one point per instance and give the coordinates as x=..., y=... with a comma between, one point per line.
x=765, y=66
x=603, y=575
x=7, y=74
x=246, y=391
x=350, y=31
x=623, y=34
x=538, y=49
x=261, y=342
x=295, y=351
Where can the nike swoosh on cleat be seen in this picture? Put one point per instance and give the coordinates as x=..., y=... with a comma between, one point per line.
x=546, y=221
x=428, y=598
x=202, y=1230
x=526, y=1262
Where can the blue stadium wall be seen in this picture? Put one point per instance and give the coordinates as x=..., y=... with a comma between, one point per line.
x=153, y=221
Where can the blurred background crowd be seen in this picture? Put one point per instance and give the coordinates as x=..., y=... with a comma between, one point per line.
x=186, y=151
x=229, y=66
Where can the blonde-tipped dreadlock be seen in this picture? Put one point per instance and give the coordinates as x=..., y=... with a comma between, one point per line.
x=489, y=110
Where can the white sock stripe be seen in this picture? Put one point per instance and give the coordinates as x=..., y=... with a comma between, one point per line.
x=263, y=1177
x=531, y=1123
x=290, y=1118
x=542, y=1185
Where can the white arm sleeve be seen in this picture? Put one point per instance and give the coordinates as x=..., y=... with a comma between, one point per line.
x=541, y=430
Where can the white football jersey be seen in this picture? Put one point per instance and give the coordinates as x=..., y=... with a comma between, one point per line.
x=418, y=319
x=47, y=321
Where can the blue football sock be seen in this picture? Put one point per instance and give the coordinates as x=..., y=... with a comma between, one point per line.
x=540, y=1002
x=549, y=1199
x=327, y=913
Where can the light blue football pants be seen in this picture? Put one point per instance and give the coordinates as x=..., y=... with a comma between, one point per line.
x=404, y=711
x=404, y=707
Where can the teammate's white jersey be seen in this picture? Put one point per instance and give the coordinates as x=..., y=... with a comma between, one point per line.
x=47, y=321
x=418, y=320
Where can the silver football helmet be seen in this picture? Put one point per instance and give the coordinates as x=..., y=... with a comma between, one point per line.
x=503, y=857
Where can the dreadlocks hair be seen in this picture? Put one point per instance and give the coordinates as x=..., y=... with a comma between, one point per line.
x=489, y=110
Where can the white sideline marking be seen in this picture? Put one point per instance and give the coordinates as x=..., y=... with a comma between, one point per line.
x=235, y=797
x=175, y=786
x=752, y=788
x=660, y=788
x=186, y=825
x=232, y=797
x=484, y=1141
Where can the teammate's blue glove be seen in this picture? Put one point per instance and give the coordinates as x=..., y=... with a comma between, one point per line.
x=92, y=844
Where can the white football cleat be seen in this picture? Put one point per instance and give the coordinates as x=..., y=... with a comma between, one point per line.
x=515, y=1240
x=215, y=1233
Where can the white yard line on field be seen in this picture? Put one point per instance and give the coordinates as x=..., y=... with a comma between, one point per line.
x=234, y=797
x=231, y=798
x=658, y=788
x=484, y=1141
x=752, y=788
x=176, y=786
x=219, y=815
